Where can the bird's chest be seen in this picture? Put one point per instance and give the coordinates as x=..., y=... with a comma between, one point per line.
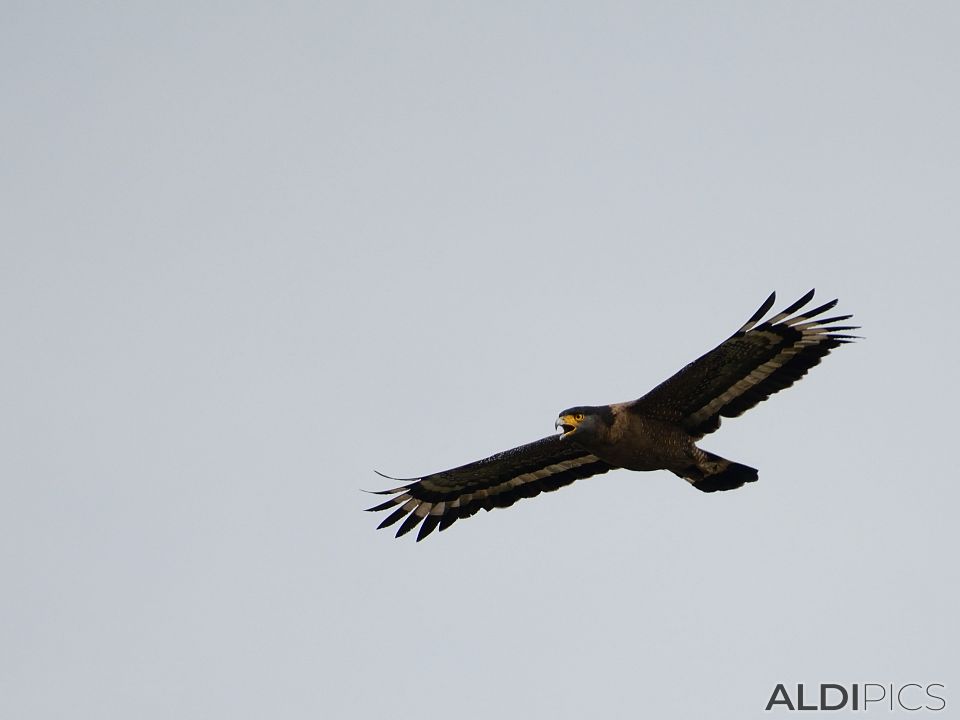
x=638, y=443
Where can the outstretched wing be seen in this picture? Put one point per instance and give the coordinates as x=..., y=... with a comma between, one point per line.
x=747, y=368
x=494, y=482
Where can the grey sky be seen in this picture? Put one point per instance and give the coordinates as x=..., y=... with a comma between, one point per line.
x=251, y=252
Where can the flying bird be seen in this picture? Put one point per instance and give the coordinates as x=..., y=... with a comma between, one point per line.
x=656, y=432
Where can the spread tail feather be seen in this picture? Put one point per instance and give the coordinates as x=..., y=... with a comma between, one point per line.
x=714, y=473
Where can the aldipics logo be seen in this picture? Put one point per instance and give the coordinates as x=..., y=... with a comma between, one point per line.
x=859, y=696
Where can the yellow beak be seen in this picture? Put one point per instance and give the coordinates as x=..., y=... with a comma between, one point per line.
x=568, y=423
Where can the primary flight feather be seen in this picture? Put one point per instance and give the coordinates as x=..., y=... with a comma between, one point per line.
x=656, y=432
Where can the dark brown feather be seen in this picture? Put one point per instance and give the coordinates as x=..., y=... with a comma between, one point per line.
x=485, y=484
x=750, y=366
x=758, y=360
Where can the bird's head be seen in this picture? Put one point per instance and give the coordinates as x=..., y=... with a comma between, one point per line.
x=584, y=421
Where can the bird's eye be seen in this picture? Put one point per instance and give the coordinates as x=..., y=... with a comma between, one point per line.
x=578, y=417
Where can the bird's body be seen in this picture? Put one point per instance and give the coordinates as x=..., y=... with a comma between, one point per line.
x=658, y=431
x=635, y=442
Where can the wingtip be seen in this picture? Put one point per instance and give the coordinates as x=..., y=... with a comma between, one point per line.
x=409, y=524
x=430, y=523
x=765, y=308
x=758, y=315
x=395, y=516
x=396, y=479
x=391, y=491
x=391, y=503
x=802, y=301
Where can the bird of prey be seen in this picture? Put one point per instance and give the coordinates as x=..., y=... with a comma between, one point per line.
x=656, y=432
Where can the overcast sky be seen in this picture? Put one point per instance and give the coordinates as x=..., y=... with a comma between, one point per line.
x=253, y=251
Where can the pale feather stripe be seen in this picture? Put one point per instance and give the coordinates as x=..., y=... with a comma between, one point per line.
x=797, y=319
x=756, y=376
x=786, y=314
x=811, y=324
x=523, y=479
x=812, y=334
x=483, y=493
x=553, y=469
x=542, y=473
x=748, y=326
x=777, y=318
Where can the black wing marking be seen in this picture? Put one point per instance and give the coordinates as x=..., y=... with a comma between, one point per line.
x=439, y=500
x=754, y=363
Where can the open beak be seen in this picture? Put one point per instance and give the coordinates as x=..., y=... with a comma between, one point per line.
x=567, y=424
